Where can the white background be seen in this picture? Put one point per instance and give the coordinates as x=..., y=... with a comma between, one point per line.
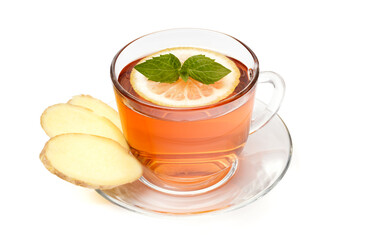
x=52, y=50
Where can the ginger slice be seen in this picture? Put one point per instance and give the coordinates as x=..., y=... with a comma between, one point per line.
x=90, y=161
x=98, y=107
x=66, y=118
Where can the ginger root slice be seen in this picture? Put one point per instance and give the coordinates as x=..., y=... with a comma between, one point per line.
x=98, y=107
x=90, y=161
x=67, y=118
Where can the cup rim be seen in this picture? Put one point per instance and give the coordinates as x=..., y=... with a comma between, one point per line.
x=238, y=95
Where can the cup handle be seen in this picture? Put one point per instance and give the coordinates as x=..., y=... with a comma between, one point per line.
x=265, y=115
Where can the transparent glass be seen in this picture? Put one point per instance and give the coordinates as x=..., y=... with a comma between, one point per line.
x=262, y=164
x=188, y=151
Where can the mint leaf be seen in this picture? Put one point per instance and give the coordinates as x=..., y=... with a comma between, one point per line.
x=167, y=69
x=164, y=68
x=184, y=75
x=204, y=69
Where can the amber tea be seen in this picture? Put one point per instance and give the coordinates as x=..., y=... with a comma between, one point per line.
x=185, y=148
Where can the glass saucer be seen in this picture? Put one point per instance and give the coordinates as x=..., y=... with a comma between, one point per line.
x=262, y=164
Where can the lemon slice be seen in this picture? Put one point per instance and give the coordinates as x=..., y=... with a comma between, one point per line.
x=186, y=94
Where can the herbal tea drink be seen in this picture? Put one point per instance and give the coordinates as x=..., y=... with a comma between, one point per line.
x=186, y=105
x=185, y=147
x=182, y=151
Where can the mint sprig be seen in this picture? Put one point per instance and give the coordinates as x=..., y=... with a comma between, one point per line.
x=167, y=69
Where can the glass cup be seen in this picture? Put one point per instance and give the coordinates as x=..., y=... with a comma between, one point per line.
x=192, y=150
